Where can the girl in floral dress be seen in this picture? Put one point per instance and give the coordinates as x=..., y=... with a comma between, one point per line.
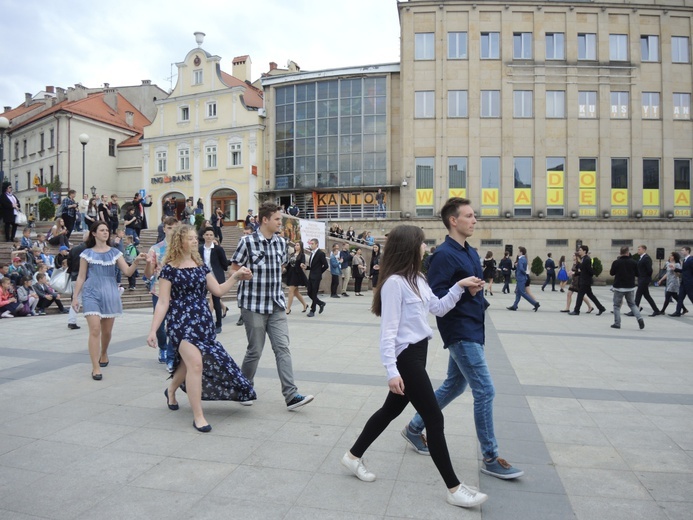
x=203, y=369
x=97, y=285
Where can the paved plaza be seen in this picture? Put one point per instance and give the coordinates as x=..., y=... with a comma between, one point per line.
x=601, y=420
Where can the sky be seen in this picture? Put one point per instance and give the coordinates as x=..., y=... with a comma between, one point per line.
x=122, y=42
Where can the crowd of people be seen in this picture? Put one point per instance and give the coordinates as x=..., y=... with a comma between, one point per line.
x=365, y=237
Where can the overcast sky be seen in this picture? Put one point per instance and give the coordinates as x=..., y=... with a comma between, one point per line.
x=122, y=42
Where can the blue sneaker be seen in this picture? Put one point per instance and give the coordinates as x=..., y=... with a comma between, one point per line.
x=170, y=367
x=501, y=468
x=417, y=441
x=162, y=356
x=298, y=401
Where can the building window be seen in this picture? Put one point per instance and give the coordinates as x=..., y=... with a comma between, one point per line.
x=682, y=174
x=618, y=47
x=679, y=49
x=161, y=161
x=111, y=147
x=235, y=154
x=522, y=46
x=197, y=77
x=490, y=174
x=457, y=176
x=619, y=174
x=424, y=104
x=41, y=176
x=587, y=46
x=424, y=186
x=522, y=180
x=184, y=114
x=650, y=174
x=555, y=186
x=587, y=104
x=457, y=45
x=42, y=141
x=24, y=148
x=184, y=159
x=490, y=103
x=52, y=138
x=522, y=103
x=555, y=103
x=650, y=105
x=211, y=156
x=649, y=48
x=51, y=173
x=211, y=109
x=682, y=106
x=16, y=149
x=28, y=179
x=457, y=103
x=490, y=45
x=555, y=46
x=424, y=46
x=619, y=105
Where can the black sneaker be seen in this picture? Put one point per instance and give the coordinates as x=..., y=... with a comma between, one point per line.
x=73, y=326
x=298, y=401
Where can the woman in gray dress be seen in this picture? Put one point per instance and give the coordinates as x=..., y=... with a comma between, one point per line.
x=96, y=284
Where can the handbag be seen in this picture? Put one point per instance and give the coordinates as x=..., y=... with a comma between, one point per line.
x=60, y=281
x=20, y=219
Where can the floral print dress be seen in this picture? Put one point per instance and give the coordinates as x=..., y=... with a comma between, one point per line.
x=190, y=319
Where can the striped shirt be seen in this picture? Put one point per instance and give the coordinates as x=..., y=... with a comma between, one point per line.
x=265, y=259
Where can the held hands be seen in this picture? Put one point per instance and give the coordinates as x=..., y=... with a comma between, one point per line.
x=243, y=274
x=472, y=284
x=396, y=385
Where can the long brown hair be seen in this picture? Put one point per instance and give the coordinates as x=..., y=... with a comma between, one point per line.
x=91, y=241
x=402, y=256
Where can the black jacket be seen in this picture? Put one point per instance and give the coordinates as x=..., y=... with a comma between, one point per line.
x=585, y=272
x=217, y=260
x=73, y=260
x=645, y=267
x=624, y=270
x=317, y=265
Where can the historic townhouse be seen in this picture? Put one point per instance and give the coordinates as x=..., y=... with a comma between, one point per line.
x=206, y=139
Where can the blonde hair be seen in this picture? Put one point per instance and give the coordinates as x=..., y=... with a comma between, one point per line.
x=174, y=251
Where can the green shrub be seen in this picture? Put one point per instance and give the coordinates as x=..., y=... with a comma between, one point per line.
x=199, y=219
x=597, y=266
x=537, y=266
x=46, y=209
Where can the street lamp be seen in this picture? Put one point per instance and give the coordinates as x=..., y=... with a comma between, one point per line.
x=93, y=191
x=4, y=125
x=84, y=139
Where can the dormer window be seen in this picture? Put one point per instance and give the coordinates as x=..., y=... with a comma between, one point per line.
x=197, y=77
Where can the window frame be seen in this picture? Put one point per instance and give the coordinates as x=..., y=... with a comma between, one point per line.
x=111, y=147
x=423, y=100
x=490, y=103
x=525, y=47
x=619, y=103
x=424, y=50
x=588, y=94
x=685, y=98
x=184, y=114
x=457, y=113
x=615, y=50
x=183, y=162
x=554, y=104
x=523, y=103
x=557, y=40
x=211, y=106
x=236, y=151
x=161, y=158
x=590, y=45
x=649, y=42
x=198, y=77
x=490, y=36
x=684, y=46
x=456, y=47
x=648, y=97
x=211, y=156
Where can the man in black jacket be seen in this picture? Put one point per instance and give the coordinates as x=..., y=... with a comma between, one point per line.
x=550, y=266
x=317, y=265
x=624, y=270
x=644, y=279
x=214, y=257
x=585, y=282
x=73, y=268
x=686, y=288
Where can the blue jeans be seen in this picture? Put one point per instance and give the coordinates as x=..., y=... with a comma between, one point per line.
x=162, y=338
x=467, y=366
x=133, y=234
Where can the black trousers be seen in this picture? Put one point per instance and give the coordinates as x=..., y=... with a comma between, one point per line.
x=683, y=292
x=670, y=295
x=312, y=288
x=644, y=292
x=550, y=278
x=506, y=283
x=10, y=231
x=586, y=290
x=44, y=303
x=69, y=224
x=418, y=390
x=334, y=285
x=358, y=280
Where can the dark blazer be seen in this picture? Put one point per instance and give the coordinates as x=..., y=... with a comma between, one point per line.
x=624, y=270
x=686, y=272
x=645, y=267
x=218, y=261
x=318, y=265
x=586, y=272
x=7, y=209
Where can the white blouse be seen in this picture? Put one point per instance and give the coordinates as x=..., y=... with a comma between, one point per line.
x=404, y=316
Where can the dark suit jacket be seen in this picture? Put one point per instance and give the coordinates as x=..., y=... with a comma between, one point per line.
x=218, y=261
x=586, y=272
x=687, y=272
x=645, y=267
x=318, y=265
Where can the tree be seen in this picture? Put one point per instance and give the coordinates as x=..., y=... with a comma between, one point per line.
x=46, y=209
x=597, y=266
x=537, y=266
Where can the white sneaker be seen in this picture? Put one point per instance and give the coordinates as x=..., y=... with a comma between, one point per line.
x=7, y=314
x=357, y=468
x=246, y=403
x=466, y=496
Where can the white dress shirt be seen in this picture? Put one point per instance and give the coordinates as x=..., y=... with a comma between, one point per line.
x=207, y=254
x=404, y=316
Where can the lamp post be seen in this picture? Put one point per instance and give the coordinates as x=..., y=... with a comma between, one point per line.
x=93, y=191
x=84, y=139
x=4, y=125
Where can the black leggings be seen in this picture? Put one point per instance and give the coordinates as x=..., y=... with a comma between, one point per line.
x=418, y=390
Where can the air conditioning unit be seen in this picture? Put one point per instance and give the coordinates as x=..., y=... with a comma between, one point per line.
x=262, y=112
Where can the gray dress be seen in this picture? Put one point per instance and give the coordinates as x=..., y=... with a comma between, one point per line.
x=100, y=296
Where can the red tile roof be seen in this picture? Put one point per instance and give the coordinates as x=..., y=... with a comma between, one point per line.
x=252, y=96
x=94, y=107
x=23, y=109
